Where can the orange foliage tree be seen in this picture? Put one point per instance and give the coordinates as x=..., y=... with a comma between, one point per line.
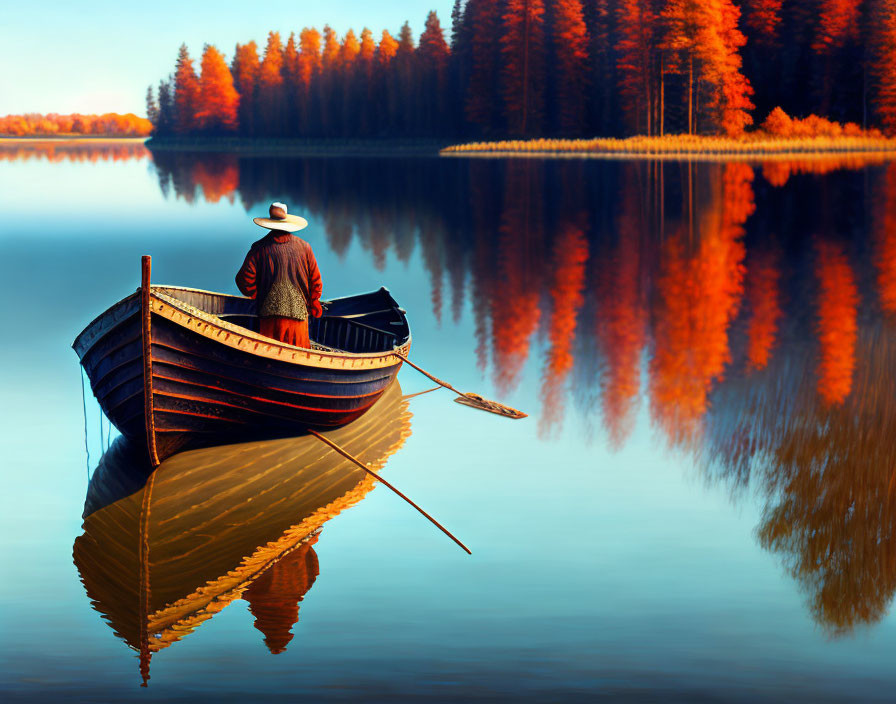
x=838, y=22
x=731, y=96
x=764, y=18
x=291, y=82
x=107, y=125
x=636, y=52
x=349, y=72
x=309, y=70
x=216, y=109
x=568, y=67
x=271, y=99
x=703, y=42
x=244, y=69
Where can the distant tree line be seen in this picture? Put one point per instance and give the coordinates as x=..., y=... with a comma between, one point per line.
x=550, y=68
x=108, y=125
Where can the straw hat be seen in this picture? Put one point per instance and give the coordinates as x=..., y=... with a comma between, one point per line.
x=281, y=220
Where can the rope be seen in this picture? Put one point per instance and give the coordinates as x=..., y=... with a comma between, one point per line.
x=84, y=407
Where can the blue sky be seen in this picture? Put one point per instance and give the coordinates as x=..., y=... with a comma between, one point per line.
x=99, y=56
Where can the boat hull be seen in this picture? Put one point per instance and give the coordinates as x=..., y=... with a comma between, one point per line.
x=214, y=382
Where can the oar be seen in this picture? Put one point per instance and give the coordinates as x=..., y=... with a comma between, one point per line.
x=469, y=399
x=376, y=476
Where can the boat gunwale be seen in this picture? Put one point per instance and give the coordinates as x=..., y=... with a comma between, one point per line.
x=94, y=331
x=120, y=312
x=284, y=352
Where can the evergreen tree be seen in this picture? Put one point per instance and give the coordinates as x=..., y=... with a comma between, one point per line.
x=570, y=65
x=432, y=84
x=328, y=84
x=523, y=66
x=366, y=83
x=405, y=83
x=167, y=117
x=387, y=111
x=482, y=19
x=152, y=108
x=349, y=75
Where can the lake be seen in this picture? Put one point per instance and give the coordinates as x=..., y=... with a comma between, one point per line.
x=699, y=507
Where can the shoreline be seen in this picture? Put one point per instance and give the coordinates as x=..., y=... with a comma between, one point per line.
x=669, y=148
x=681, y=147
x=301, y=147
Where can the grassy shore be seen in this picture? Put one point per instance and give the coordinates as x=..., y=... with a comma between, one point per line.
x=678, y=146
x=301, y=147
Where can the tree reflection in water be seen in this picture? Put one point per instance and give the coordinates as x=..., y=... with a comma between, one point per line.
x=751, y=308
x=830, y=512
x=89, y=150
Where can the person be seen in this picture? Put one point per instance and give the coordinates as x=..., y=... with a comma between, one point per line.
x=281, y=274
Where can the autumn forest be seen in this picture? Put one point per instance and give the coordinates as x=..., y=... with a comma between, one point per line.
x=550, y=68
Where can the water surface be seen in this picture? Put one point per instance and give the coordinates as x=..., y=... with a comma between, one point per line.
x=700, y=505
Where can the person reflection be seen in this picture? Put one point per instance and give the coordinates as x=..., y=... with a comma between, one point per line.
x=275, y=596
x=281, y=273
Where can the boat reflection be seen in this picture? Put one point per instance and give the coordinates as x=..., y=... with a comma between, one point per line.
x=162, y=552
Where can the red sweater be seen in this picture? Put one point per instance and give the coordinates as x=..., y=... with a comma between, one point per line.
x=276, y=252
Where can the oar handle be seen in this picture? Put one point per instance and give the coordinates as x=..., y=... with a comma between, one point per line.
x=376, y=476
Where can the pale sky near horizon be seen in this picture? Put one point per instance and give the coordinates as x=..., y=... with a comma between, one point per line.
x=99, y=56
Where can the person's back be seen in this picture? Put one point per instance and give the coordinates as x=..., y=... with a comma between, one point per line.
x=281, y=273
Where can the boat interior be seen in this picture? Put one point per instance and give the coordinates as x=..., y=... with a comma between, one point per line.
x=362, y=324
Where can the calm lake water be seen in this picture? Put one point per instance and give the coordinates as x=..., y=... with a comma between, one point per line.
x=700, y=507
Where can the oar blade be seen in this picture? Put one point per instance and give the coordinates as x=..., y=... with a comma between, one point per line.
x=484, y=404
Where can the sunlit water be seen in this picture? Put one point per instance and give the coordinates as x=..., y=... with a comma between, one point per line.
x=699, y=507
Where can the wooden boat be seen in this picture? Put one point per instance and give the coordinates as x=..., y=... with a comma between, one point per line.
x=163, y=551
x=179, y=367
